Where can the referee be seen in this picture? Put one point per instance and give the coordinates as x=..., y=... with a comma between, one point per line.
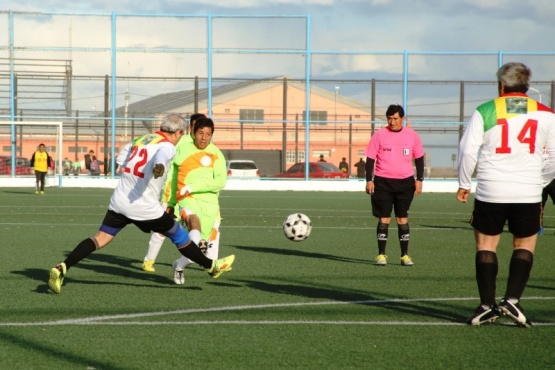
x=390, y=179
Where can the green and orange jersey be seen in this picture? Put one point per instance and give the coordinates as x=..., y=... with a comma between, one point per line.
x=166, y=192
x=203, y=171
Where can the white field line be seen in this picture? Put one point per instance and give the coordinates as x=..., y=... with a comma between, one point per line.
x=103, y=320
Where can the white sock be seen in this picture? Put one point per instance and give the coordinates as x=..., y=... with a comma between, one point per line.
x=182, y=262
x=195, y=236
x=154, y=245
x=214, y=249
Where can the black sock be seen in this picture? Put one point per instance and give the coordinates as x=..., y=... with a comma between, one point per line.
x=486, y=275
x=82, y=251
x=381, y=234
x=193, y=252
x=519, y=273
x=403, y=231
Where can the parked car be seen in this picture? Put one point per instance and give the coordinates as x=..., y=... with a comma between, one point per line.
x=242, y=168
x=22, y=166
x=317, y=170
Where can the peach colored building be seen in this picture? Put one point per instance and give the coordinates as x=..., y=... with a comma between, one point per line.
x=248, y=115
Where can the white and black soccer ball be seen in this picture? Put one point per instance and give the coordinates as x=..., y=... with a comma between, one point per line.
x=297, y=227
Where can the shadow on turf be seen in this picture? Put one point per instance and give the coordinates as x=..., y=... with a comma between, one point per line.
x=442, y=310
x=299, y=253
x=26, y=192
x=449, y=227
x=106, y=264
x=541, y=287
x=50, y=347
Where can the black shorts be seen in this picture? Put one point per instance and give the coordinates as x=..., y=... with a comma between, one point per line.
x=490, y=218
x=392, y=194
x=113, y=222
x=548, y=192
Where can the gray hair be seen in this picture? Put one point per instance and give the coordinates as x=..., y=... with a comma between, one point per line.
x=172, y=123
x=515, y=77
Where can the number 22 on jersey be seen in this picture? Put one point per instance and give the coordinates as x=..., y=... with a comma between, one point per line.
x=137, y=163
x=527, y=135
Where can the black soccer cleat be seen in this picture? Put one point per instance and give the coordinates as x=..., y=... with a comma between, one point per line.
x=484, y=316
x=514, y=311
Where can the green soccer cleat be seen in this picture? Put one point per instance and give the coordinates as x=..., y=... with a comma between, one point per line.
x=57, y=275
x=148, y=266
x=381, y=260
x=220, y=266
x=406, y=260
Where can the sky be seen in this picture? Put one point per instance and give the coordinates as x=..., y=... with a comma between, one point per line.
x=430, y=27
x=383, y=26
x=462, y=25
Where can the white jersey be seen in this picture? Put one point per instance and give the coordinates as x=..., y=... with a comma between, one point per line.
x=137, y=195
x=507, y=138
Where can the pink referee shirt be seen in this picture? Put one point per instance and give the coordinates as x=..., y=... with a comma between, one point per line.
x=394, y=152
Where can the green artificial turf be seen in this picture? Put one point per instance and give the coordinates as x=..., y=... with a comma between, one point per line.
x=316, y=304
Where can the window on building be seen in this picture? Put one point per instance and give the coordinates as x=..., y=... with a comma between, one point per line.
x=251, y=115
x=318, y=153
x=294, y=156
x=79, y=149
x=8, y=149
x=101, y=151
x=318, y=117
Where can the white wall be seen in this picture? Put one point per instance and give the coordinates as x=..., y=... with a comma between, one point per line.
x=84, y=181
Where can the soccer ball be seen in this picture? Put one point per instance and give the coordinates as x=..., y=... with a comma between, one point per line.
x=297, y=227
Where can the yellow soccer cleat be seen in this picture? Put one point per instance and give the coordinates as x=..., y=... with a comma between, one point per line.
x=57, y=275
x=381, y=260
x=148, y=266
x=406, y=260
x=220, y=266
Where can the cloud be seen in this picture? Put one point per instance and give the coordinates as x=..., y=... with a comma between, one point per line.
x=378, y=26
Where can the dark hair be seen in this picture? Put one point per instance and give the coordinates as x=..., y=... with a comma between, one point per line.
x=202, y=123
x=41, y=144
x=195, y=117
x=395, y=108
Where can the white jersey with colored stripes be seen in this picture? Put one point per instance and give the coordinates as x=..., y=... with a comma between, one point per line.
x=506, y=139
x=137, y=194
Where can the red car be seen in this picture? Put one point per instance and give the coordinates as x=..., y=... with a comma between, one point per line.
x=317, y=170
x=22, y=166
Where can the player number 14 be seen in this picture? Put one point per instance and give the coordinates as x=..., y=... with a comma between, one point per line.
x=527, y=135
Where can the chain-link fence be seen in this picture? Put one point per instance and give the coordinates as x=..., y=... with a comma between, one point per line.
x=110, y=77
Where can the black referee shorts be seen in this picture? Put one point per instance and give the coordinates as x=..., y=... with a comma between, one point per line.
x=392, y=194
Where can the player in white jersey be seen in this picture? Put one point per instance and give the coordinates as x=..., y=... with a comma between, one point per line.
x=136, y=200
x=505, y=140
x=191, y=221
